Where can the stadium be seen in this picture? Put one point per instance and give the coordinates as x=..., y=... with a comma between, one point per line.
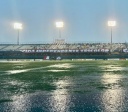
x=61, y=50
x=63, y=56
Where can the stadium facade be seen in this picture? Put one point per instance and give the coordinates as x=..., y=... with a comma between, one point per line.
x=64, y=51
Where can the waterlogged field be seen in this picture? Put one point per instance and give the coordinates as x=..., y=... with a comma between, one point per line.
x=64, y=86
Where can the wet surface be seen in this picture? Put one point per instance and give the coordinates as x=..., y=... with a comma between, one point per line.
x=81, y=86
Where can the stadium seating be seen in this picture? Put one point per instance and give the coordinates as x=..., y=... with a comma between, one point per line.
x=66, y=46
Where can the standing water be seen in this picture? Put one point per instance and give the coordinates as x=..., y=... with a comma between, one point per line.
x=66, y=86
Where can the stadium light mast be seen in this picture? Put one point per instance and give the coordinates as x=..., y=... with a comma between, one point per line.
x=111, y=24
x=59, y=25
x=18, y=27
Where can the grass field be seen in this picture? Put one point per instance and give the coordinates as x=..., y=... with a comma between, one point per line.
x=22, y=77
x=76, y=77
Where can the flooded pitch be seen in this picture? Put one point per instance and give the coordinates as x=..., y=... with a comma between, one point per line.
x=64, y=86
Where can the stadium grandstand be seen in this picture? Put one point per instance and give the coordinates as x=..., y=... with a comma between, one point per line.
x=61, y=50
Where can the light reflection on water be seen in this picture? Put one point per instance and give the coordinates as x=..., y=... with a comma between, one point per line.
x=20, y=103
x=60, y=98
x=57, y=70
x=109, y=79
x=55, y=101
x=65, y=65
x=113, y=98
x=16, y=71
x=63, y=100
x=113, y=68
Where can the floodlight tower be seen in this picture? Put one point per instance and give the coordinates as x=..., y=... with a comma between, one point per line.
x=59, y=25
x=18, y=27
x=111, y=24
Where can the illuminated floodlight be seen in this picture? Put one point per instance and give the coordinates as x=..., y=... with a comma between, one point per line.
x=18, y=26
x=111, y=23
x=59, y=24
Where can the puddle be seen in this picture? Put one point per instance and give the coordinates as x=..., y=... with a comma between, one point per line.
x=113, y=68
x=65, y=65
x=57, y=70
x=16, y=71
x=89, y=91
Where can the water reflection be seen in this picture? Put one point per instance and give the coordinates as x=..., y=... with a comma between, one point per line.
x=65, y=65
x=111, y=79
x=20, y=103
x=57, y=70
x=21, y=71
x=113, y=68
x=113, y=97
x=43, y=101
x=60, y=98
x=16, y=71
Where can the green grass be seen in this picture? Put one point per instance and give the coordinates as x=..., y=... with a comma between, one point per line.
x=43, y=80
x=5, y=100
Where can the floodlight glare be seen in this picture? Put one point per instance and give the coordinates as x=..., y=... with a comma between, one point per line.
x=59, y=24
x=111, y=23
x=18, y=26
